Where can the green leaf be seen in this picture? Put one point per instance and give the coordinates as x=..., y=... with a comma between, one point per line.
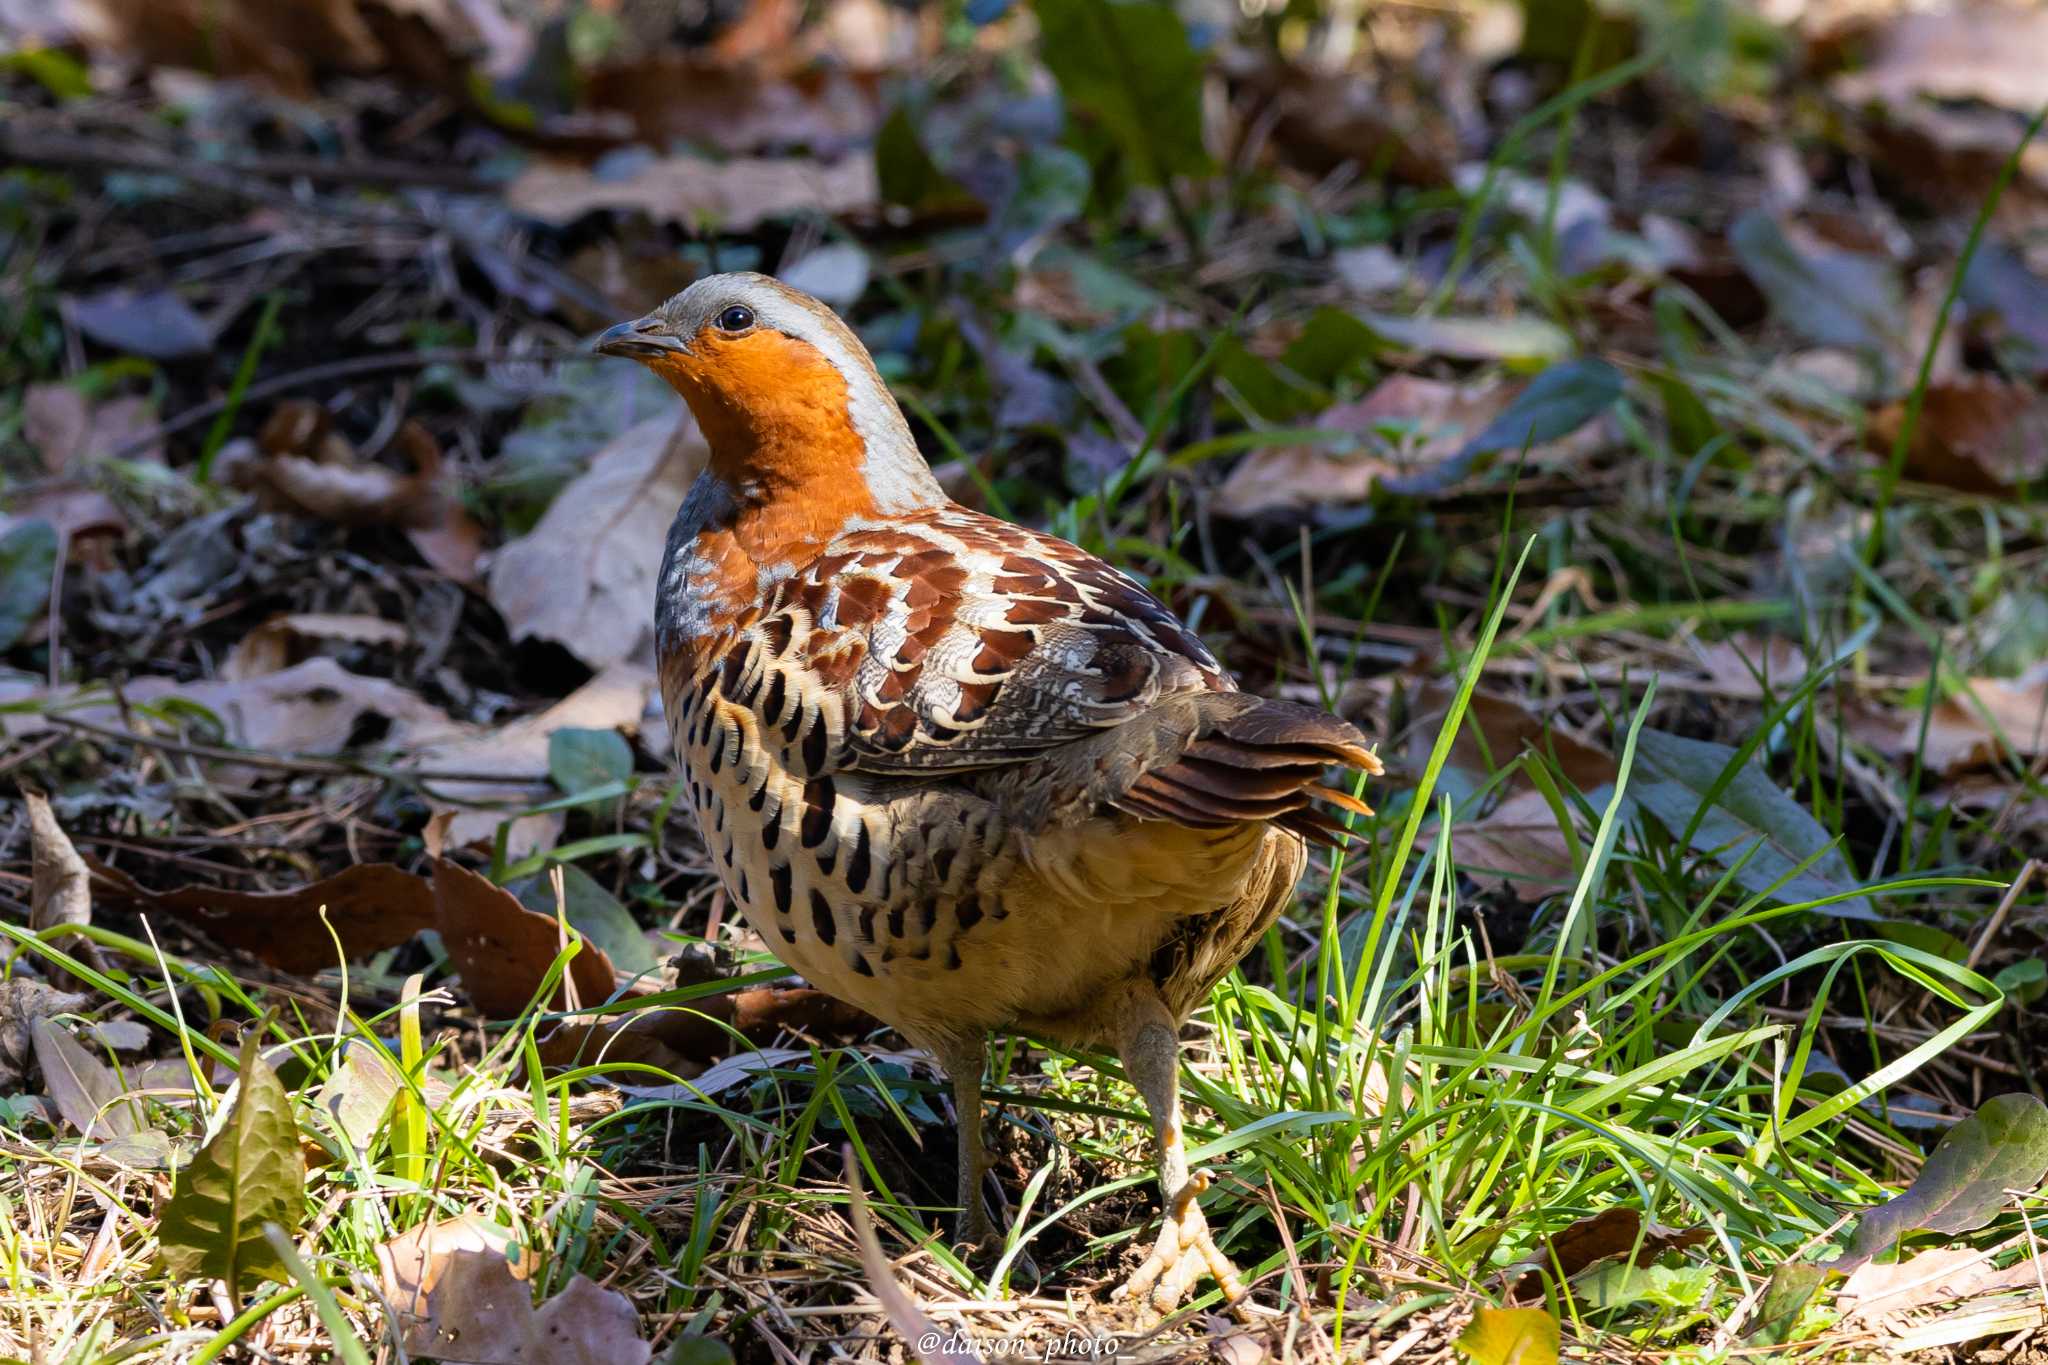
x=1792, y=1287
x=1510, y=1336
x=357, y=1095
x=1828, y=296
x=1558, y=402
x=907, y=174
x=580, y=760
x=1527, y=341
x=699, y=1350
x=249, y=1174
x=1333, y=346
x=594, y=913
x=1619, y=1284
x=2003, y=1146
x=2024, y=981
x=1674, y=777
x=1127, y=67
x=28, y=563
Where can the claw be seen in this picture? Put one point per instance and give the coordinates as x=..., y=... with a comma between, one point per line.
x=1184, y=1250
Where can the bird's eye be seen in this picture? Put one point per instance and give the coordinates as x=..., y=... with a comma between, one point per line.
x=737, y=318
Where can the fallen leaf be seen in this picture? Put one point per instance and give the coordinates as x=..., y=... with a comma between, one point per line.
x=616, y=699
x=155, y=323
x=735, y=109
x=1830, y=296
x=503, y=951
x=1615, y=1231
x=280, y=642
x=1559, y=401
x=460, y=1298
x=1517, y=846
x=683, y=1041
x=412, y=1264
x=1498, y=727
x=249, y=1173
x=586, y=573
x=59, y=892
x=1510, y=1336
x=85, y=1089
x=314, y=707
x=1673, y=777
x=730, y=196
x=72, y=433
x=23, y=1001
x=1976, y=433
x=1324, y=121
x=357, y=1095
x=593, y=912
x=1958, y=737
x=1741, y=665
x=371, y=906
x=1962, y=1186
x=1988, y=52
x=1943, y=1276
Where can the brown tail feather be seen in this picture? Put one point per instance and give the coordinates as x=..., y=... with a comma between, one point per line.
x=1254, y=760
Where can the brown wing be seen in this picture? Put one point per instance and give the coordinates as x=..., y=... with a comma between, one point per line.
x=954, y=641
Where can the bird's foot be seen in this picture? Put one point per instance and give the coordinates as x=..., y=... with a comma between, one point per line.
x=1184, y=1251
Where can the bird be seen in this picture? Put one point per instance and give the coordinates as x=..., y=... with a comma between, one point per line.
x=962, y=774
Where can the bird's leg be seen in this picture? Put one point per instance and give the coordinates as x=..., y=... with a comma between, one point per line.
x=963, y=1060
x=1150, y=1048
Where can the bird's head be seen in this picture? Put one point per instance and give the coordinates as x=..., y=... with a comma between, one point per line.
x=786, y=394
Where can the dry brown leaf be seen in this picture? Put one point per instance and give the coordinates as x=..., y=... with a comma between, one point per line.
x=616, y=699
x=1606, y=1234
x=502, y=950
x=371, y=906
x=461, y=1299
x=1941, y=1276
x=675, y=96
x=1733, y=665
x=698, y=193
x=1444, y=418
x=1507, y=727
x=1969, y=51
x=23, y=1001
x=311, y=708
x=1957, y=736
x=85, y=1090
x=279, y=642
x=1977, y=433
x=72, y=433
x=684, y=1041
x=60, y=891
x=1517, y=845
x=585, y=575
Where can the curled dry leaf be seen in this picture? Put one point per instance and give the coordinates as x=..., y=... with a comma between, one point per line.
x=371, y=906
x=1877, y=1294
x=282, y=640
x=1976, y=433
x=2009, y=715
x=503, y=950
x=690, y=190
x=460, y=1287
x=23, y=1001
x=300, y=463
x=585, y=574
x=60, y=892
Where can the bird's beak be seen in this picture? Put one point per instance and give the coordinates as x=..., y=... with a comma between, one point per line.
x=642, y=339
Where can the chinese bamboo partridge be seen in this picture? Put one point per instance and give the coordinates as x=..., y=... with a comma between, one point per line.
x=963, y=775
